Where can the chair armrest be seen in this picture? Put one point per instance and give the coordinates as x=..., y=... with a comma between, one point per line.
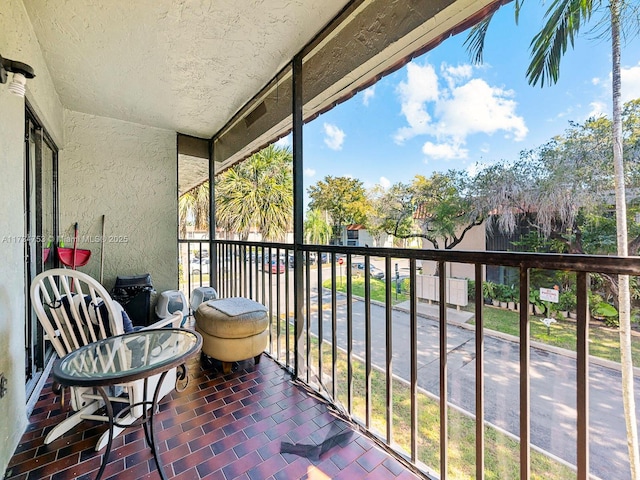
x=173, y=321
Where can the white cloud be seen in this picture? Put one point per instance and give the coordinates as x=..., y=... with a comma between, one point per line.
x=461, y=71
x=597, y=109
x=421, y=87
x=630, y=77
x=630, y=83
x=309, y=172
x=368, y=94
x=476, y=107
x=385, y=182
x=334, y=136
x=444, y=151
x=454, y=75
x=466, y=106
x=284, y=142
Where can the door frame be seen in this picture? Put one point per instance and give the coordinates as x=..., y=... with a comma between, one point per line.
x=37, y=354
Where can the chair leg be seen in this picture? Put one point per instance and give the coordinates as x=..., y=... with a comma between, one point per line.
x=70, y=422
x=257, y=358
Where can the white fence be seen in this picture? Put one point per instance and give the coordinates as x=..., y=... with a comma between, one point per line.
x=428, y=288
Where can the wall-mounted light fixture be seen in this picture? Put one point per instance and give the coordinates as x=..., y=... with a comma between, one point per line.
x=21, y=71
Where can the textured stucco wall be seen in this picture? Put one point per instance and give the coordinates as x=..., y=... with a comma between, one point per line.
x=474, y=240
x=128, y=172
x=18, y=42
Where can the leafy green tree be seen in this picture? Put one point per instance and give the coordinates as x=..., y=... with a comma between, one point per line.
x=440, y=209
x=257, y=194
x=550, y=186
x=376, y=218
x=563, y=190
x=394, y=209
x=316, y=228
x=343, y=198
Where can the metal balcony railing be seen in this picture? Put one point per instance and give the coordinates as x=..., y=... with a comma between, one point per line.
x=458, y=391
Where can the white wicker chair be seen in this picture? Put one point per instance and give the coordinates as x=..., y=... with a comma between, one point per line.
x=74, y=310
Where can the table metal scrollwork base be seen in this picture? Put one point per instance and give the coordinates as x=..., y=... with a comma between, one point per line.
x=146, y=420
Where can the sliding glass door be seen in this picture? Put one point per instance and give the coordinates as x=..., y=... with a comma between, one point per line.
x=41, y=214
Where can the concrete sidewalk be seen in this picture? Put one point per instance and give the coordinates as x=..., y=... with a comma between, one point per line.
x=430, y=310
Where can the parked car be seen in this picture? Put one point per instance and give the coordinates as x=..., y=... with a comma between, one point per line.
x=326, y=257
x=357, y=270
x=275, y=266
x=204, y=253
x=311, y=256
x=199, y=265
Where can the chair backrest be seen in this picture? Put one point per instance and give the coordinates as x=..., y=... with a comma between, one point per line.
x=74, y=309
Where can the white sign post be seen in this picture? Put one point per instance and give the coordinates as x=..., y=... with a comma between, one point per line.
x=549, y=295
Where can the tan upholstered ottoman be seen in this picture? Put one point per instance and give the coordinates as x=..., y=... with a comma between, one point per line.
x=232, y=329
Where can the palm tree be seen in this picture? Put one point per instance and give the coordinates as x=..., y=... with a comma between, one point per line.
x=193, y=208
x=563, y=21
x=257, y=194
x=316, y=229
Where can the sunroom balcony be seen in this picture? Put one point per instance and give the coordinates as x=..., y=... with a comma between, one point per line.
x=432, y=380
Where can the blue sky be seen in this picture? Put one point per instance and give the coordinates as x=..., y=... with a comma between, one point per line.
x=440, y=112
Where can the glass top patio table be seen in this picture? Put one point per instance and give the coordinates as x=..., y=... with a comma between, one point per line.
x=123, y=359
x=127, y=357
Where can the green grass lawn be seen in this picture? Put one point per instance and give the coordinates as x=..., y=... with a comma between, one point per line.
x=604, y=342
x=378, y=289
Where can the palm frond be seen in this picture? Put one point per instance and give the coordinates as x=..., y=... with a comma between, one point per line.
x=257, y=194
x=630, y=11
x=517, y=7
x=564, y=18
x=475, y=39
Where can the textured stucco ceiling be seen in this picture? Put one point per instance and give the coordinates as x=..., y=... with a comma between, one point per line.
x=182, y=65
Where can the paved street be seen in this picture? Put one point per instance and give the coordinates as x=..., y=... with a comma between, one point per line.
x=553, y=380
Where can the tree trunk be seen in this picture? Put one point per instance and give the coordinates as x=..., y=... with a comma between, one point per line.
x=624, y=301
